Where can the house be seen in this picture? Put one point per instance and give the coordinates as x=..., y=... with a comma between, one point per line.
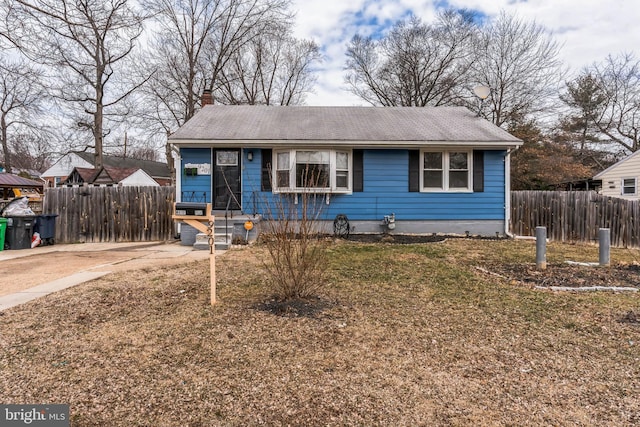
x=434, y=170
x=108, y=176
x=621, y=178
x=61, y=169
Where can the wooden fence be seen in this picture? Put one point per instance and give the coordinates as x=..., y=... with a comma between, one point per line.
x=111, y=214
x=576, y=216
x=136, y=214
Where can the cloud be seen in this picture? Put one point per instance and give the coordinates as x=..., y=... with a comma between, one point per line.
x=588, y=30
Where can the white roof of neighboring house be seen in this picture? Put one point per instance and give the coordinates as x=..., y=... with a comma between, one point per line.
x=65, y=165
x=255, y=125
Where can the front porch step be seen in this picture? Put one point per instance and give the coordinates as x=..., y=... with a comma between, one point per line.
x=223, y=232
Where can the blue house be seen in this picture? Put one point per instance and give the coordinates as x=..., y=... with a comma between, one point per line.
x=435, y=170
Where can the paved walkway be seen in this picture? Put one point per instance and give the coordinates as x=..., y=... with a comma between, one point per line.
x=135, y=255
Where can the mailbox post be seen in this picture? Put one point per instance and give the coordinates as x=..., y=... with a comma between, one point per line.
x=198, y=215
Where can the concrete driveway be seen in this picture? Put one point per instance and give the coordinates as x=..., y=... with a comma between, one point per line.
x=27, y=274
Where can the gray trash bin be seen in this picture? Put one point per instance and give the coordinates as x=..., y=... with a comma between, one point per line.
x=19, y=232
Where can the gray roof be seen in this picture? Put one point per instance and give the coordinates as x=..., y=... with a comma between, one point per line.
x=250, y=125
x=153, y=169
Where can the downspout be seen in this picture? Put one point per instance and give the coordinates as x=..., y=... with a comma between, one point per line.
x=507, y=192
x=178, y=171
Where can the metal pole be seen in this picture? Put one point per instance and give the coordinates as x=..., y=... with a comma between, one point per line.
x=604, y=243
x=541, y=248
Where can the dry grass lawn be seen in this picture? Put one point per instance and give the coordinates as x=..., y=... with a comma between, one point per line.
x=404, y=335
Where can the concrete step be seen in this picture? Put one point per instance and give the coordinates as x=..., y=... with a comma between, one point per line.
x=223, y=232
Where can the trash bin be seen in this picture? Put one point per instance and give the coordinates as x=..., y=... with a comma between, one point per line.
x=46, y=227
x=3, y=231
x=187, y=235
x=19, y=232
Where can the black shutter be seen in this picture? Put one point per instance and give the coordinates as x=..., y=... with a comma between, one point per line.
x=358, y=170
x=267, y=155
x=414, y=171
x=478, y=171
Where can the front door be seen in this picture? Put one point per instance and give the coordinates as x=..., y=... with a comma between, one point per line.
x=226, y=179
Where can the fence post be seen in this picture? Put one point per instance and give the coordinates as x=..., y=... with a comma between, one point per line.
x=604, y=245
x=541, y=248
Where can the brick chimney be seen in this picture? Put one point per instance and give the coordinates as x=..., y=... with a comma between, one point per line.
x=206, y=99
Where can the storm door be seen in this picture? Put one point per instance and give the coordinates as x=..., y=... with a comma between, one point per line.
x=226, y=179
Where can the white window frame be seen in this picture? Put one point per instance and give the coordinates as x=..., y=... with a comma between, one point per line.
x=446, y=172
x=331, y=189
x=623, y=186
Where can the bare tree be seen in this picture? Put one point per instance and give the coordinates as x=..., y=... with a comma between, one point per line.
x=177, y=58
x=520, y=62
x=415, y=64
x=31, y=149
x=20, y=98
x=195, y=41
x=133, y=147
x=272, y=69
x=616, y=88
x=85, y=43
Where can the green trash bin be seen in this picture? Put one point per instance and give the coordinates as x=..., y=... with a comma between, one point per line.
x=3, y=231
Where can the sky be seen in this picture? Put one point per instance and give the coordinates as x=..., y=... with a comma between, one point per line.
x=587, y=30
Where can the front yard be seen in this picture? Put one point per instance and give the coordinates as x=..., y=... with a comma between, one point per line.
x=403, y=335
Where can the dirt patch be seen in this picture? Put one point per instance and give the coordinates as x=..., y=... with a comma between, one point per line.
x=567, y=275
x=401, y=239
x=632, y=317
x=305, y=307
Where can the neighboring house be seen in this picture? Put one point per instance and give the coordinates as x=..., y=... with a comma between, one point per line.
x=61, y=169
x=108, y=176
x=621, y=179
x=438, y=170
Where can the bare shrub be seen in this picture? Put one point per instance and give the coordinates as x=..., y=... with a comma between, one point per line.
x=295, y=244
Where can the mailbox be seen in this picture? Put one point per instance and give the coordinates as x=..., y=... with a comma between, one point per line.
x=187, y=210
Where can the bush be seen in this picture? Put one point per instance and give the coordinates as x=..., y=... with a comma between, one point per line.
x=296, y=247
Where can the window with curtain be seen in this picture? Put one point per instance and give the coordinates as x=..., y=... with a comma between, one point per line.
x=313, y=170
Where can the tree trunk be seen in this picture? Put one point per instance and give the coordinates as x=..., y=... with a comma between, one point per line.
x=97, y=120
x=5, y=145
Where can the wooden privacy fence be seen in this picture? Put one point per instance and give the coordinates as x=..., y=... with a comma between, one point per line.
x=111, y=214
x=576, y=216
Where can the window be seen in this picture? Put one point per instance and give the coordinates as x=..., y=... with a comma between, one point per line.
x=342, y=170
x=446, y=171
x=282, y=170
x=629, y=186
x=226, y=158
x=313, y=170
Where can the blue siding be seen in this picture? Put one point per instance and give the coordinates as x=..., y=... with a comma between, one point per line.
x=386, y=191
x=195, y=188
